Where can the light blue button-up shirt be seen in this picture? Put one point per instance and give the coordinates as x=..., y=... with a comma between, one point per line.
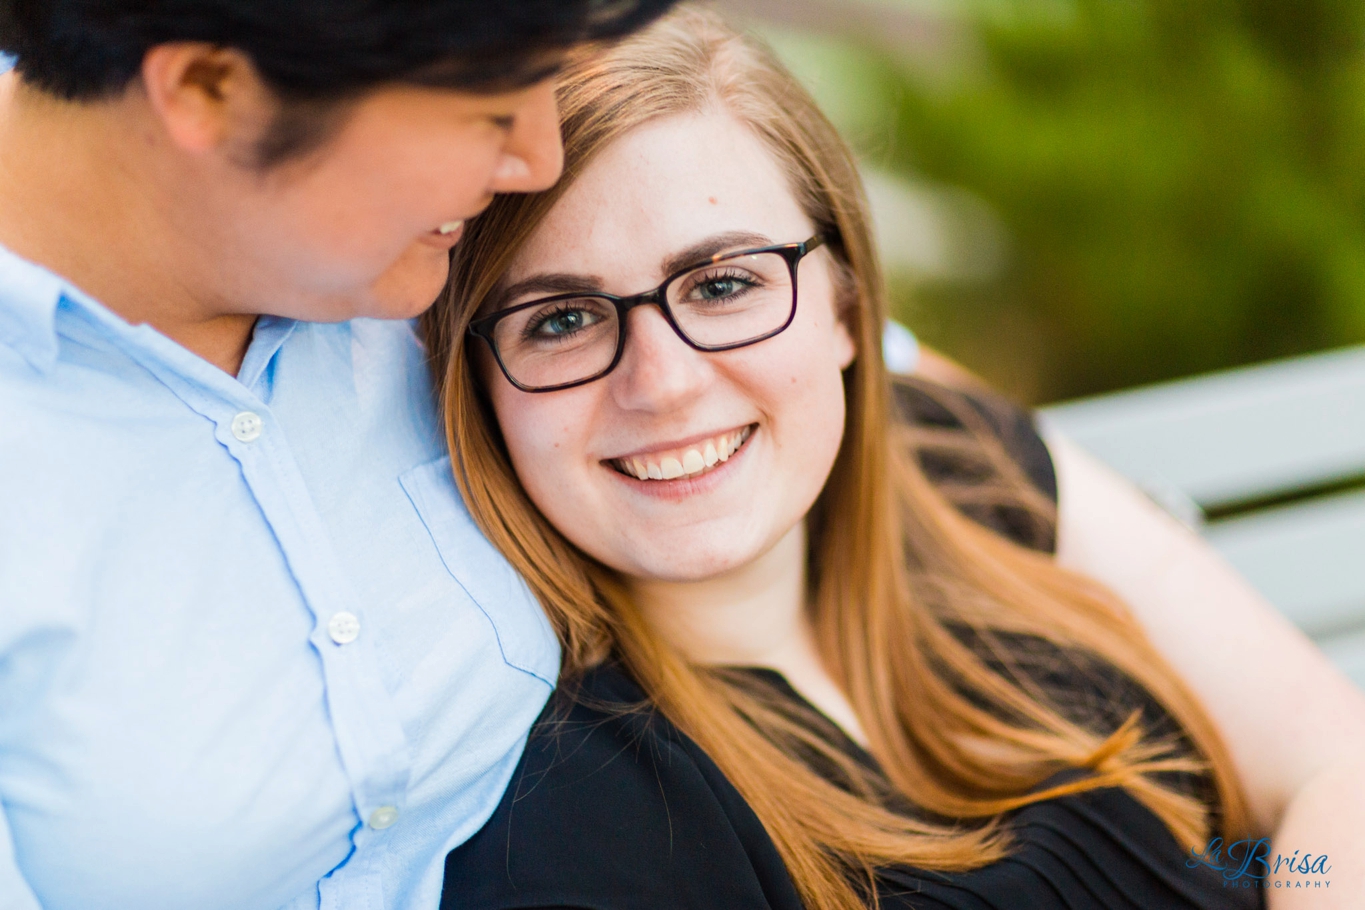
x=253, y=652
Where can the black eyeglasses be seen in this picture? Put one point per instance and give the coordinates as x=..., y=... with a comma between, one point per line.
x=726, y=302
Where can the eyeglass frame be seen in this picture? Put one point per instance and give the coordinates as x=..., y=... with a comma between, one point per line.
x=793, y=253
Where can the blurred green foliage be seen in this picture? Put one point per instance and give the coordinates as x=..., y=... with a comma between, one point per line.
x=1182, y=184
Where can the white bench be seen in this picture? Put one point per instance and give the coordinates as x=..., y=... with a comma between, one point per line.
x=1268, y=463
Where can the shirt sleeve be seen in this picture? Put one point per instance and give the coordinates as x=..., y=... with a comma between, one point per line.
x=15, y=893
x=900, y=348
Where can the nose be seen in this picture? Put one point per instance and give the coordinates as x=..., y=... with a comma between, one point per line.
x=533, y=155
x=658, y=371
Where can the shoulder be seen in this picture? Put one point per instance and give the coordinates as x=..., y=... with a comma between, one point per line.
x=50, y=417
x=1094, y=849
x=1091, y=693
x=985, y=455
x=388, y=339
x=611, y=806
x=18, y=392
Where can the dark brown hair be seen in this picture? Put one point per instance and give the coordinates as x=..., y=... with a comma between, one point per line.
x=316, y=55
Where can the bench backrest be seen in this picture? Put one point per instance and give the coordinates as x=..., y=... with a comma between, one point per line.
x=1268, y=463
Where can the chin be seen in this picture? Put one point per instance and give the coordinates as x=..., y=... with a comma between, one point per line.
x=409, y=288
x=409, y=309
x=667, y=567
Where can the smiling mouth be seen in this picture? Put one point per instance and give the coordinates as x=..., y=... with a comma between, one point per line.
x=447, y=235
x=686, y=462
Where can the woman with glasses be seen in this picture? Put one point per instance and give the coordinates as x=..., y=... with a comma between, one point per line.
x=817, y=651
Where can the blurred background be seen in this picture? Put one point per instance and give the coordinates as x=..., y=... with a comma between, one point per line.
x=1075, y=196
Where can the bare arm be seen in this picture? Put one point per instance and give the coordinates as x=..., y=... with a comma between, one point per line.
x=1294, y=724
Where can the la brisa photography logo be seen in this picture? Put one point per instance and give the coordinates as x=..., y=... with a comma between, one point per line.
x=1249, y=864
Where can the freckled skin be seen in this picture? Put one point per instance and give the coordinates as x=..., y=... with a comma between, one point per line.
x=653, y=193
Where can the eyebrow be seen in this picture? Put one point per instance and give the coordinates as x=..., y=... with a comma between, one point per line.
x=699, y=252
x=567, y=283
x=548, y=283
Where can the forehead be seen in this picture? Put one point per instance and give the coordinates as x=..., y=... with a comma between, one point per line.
x=659, y=189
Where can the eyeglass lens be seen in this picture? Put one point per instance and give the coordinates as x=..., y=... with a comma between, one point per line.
x=720, y=304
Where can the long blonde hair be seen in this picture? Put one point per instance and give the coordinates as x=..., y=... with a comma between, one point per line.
x=914, y=604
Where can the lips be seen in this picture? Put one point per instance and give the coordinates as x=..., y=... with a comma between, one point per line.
x=683, y=462
x=446, y=236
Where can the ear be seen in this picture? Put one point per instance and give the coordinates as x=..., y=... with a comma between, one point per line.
x=846, y=315
x=845, y=348
x=206, y=96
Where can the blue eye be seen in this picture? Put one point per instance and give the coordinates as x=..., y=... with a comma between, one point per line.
x=564, y=321
x=720, y=287
x=717, y=288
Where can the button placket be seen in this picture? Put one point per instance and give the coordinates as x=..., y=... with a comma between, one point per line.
x=368, y=735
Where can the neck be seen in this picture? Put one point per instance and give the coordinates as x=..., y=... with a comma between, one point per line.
x=755, y=616
x=80, y=196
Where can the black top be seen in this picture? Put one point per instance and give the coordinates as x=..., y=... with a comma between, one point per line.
x=612, y=807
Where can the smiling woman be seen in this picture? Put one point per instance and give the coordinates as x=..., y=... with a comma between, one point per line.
x=795, y=673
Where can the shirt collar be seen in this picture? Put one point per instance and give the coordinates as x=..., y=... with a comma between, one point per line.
x=29, y=295
x=269, y=335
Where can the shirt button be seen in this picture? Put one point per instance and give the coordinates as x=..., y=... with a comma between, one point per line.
x=246, y=426
x=383, y=817
x=344, y=629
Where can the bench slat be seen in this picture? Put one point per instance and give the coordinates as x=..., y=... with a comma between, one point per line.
x=1348, y=652
x=1305, y=558
x=1232, y=436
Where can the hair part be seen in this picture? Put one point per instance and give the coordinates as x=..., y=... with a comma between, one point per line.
x=913, y=602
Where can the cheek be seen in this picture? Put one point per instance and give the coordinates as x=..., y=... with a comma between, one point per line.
x=408, y=287
x=543, y=439
x=808, y=400
x=818, y=427
x=365, y=206
x=523, y=428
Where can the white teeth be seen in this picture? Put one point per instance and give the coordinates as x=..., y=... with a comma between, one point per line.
x=692, y=462
x=450, y=227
